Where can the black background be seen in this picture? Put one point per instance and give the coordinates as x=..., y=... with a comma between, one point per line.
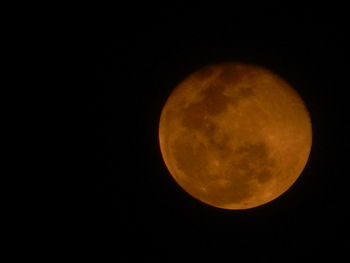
x=139, y=54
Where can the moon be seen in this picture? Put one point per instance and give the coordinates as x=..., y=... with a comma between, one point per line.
x=234, y=135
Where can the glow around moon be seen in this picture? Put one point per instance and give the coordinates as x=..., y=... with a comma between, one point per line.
x=235, y=136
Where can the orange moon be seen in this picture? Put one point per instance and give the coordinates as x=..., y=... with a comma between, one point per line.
x=235, y=136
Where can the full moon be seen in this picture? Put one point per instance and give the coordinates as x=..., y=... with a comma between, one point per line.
x=235, y=136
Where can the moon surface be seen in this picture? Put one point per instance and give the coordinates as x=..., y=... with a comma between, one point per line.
x=235, y=136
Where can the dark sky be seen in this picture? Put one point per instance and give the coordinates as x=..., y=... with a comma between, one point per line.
x=139, y=54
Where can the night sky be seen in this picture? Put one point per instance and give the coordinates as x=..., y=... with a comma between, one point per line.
x=139, y=54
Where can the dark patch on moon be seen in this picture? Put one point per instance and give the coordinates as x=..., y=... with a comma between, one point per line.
x=221, y=146
x=254, y=160
x=195, y=115
x=190, y=157
x=241, y=93
x=214, y=100
x=194, y=119
x=248, y=162
x=245, y=92
x=231, y=74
